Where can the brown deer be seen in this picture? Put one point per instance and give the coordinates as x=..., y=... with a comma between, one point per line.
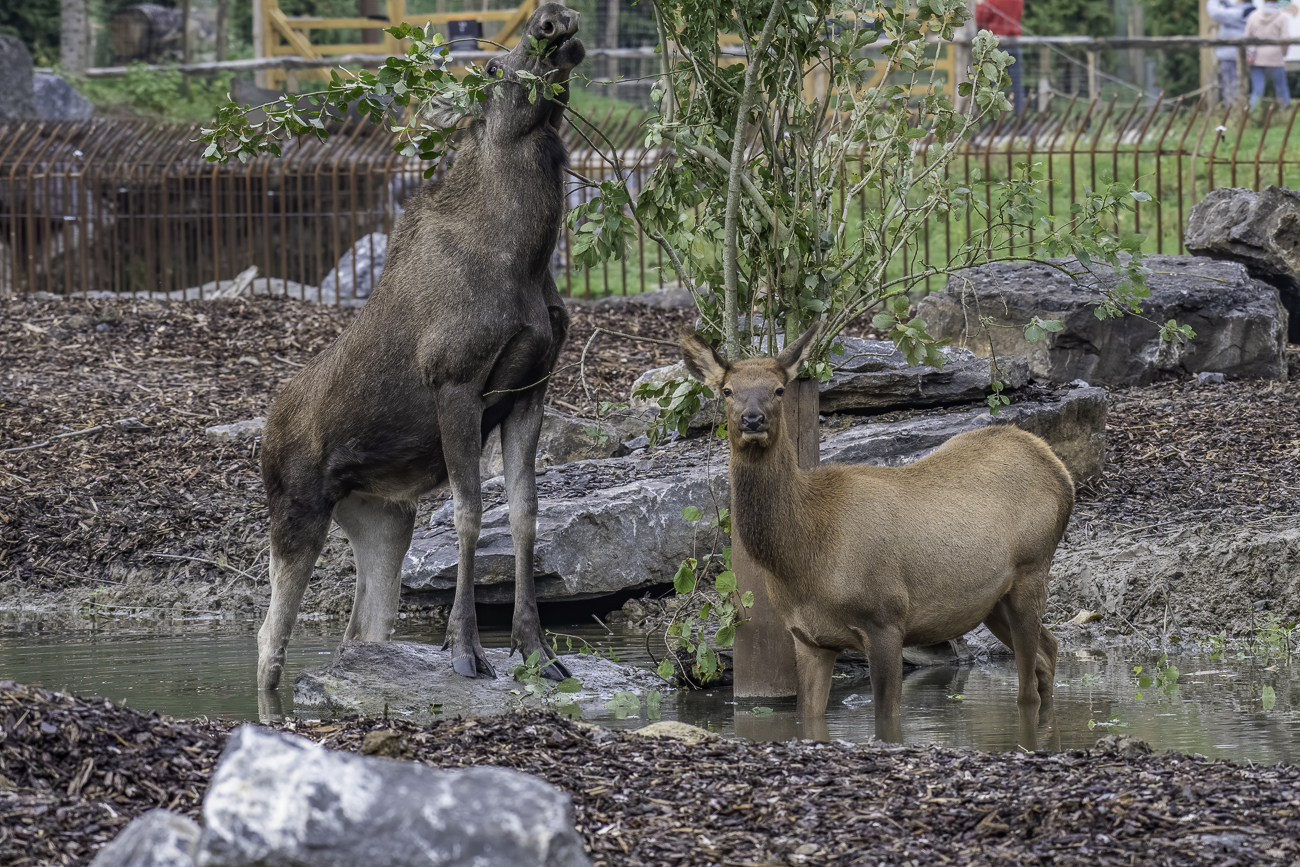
x=880, y=557
x=457, y=339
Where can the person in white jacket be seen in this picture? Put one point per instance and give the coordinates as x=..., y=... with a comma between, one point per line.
x=1270, y=21
x=1231, y=17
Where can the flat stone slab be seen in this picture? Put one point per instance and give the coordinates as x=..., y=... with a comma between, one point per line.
x=411, y=679
x=873, y=376
x=1240, y=323
x=609, y=525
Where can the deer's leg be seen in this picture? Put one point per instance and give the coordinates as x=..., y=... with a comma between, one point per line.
x=884, y=651
x=380, y=533
x=519, y=434
x=815, y=666
x=297, y=536
x=1045, y=664
x=1023, y=614
x=460, y=416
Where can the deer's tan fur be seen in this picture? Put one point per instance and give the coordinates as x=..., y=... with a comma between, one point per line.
x=880, y=557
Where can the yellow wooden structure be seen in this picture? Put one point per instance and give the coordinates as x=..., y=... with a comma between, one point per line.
x=291, y=36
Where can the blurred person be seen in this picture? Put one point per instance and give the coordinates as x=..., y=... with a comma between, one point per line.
x=1002, y=18
x=1231, y=17
x=1269, y=21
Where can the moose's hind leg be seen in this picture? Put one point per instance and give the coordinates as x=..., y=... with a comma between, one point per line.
x=379, y=531
x=296, y=542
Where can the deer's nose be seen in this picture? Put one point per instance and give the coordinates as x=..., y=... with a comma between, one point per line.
x=753, y=421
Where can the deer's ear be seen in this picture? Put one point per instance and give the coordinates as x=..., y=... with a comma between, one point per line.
x=702, y=360
x=796, y=353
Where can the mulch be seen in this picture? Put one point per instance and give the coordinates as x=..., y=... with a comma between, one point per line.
x=116, y=394
x=84, y=767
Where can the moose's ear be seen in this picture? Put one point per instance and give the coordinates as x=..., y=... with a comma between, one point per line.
x=702, y=360
x=442, y=113
x=796, y=353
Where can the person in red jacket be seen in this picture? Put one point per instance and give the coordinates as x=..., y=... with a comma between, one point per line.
x=1002, y=18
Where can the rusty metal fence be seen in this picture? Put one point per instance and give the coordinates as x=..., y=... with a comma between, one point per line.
x=125, y=207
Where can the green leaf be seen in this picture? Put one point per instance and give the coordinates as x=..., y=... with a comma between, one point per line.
x=684, y=580
x=665, y=668
x=762, y=711
x=691, y=513
x=747, y=599
x=726, y=636
x=569, y=684
x=1269, y=698
x=725, y=583
x=652, y=701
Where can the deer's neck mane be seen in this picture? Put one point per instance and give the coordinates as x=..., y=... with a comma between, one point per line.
x=769, y=506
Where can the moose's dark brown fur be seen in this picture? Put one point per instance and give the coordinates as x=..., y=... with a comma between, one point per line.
x=880, y=557
x=457, y=339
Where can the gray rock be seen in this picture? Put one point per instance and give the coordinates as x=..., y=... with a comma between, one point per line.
x=633, y=535
x=563, y=440
x=1259, y=230
x=1207, y=378
x=240, y=431
x=873, y=375
x=358, y=269
x=411, y=678
x=55, y=99
x=1074, y=425
x=1240, y=324
x=667, y=298
x=280, y=799
x=628, y=535
x=243, y=285
x=17, y=95
x=159, y=838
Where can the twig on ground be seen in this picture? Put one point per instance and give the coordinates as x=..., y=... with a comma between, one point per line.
x=201, y=560
x=288, y=362
x=121, y=422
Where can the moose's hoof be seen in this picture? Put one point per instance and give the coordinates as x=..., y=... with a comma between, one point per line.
x=471, y=664
x=555, y=670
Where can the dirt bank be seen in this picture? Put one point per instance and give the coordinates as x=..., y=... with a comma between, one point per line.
x=147, y=518
x=76, y=771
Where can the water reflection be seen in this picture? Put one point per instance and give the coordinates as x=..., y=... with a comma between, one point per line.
x=1216, y=707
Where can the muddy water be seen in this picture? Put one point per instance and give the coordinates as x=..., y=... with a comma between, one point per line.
x=1216, y=707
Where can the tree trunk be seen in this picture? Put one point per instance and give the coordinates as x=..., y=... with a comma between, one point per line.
x=370, y=9
x=764, y=651
x=610, y=40
x=74, y=38
x=223, y=25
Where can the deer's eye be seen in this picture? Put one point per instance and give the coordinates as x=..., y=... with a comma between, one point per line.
x=726, y=392
x=780, y=391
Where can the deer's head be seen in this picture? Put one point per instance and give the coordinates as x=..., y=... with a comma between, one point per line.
x=752, y=389
x=513, y=109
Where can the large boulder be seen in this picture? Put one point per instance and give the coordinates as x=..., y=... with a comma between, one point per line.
x=281, y=799
x=602, y=526
x=55, y=99
x=610, y=525
x=1073, y=424
x=1259, y=230
x=416, y=680
x=1240, y=323
x=159, y=838
x=873, y=376
x=16, y=96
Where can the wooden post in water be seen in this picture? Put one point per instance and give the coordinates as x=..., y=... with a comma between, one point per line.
x=764, y=650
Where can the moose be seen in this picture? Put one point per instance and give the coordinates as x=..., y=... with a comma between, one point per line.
x=457, y=339
x=880, y=557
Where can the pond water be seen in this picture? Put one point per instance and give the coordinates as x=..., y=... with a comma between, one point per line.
x=1243, y=705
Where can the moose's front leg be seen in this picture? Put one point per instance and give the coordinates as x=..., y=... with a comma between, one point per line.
x=519, y=434
x=460, y=414
x=885, y=659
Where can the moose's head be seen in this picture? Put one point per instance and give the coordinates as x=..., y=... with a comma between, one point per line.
x=548, y=49
x=752, y=389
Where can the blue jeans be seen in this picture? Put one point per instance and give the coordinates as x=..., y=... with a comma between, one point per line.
x=1278, y=74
